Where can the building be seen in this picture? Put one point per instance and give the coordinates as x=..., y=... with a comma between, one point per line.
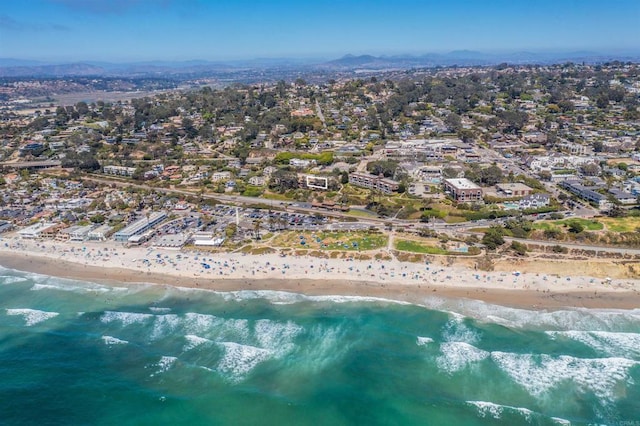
x=378, y=183
x=139, y=227
x=220, y=176
x=35, y=231
x=100, y=233
x=119, y=170
x=463, y=190
x=577, y=188
x=514, y=189
x=74, y=233
x=534, y=201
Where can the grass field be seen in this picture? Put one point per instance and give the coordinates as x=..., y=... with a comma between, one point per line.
x=325, y=240
x=589, y=225
x=361, y=213
x=416, y=247
x=621, y=224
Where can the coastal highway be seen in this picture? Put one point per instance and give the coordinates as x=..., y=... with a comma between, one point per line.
x=362, y=222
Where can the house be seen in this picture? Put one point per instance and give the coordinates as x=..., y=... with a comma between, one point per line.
x=100, y=233
x=119, y=170
x=463, y=190
x=257, y=180
x=220, y=176
x=35, y=231
x=534, y=201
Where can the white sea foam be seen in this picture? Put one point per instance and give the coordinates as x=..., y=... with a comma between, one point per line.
x=238, y=360
x=164, y=325
x=609, y=343
x=421, y=341
x=89, y=288
x=496, y=410
x=32, y=316
x=158, y=310
x=9, y=279
x=125, y=318
x=110, y=340
x=326, y=346
x=562, y=422
x=539, y=374
x=286, y=298
x=457, y=331
x=458, y=355
x=194, y=341
x=569, y=319
x=276, y=336
x=165, y=363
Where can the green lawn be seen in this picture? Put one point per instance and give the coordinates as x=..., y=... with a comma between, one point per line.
x=589, y=225
x=416, y=247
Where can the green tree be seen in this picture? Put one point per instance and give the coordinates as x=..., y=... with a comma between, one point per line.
x=493, y=238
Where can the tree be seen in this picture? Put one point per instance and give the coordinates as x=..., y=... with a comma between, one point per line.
x=98, y=218
x=590, y=169
x=231, y=230
x=493, y=238
x=576, y=227
x=491, y=175
x=519, y=248
x=283, y=180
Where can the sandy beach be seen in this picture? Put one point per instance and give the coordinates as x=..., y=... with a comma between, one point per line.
x=112, y=263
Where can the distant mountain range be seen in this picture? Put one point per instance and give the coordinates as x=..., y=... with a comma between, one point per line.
x=10, y=67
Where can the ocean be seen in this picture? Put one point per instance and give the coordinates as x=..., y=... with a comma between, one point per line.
x=82, y=353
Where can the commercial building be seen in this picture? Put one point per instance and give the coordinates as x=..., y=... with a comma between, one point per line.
x=379, y=183
x=514, y=189
x=139, y=227
x=463, y=190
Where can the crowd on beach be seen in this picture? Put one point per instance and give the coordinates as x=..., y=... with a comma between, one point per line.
x=207, y=265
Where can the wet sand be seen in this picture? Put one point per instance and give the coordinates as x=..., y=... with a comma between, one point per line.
x=315, y=285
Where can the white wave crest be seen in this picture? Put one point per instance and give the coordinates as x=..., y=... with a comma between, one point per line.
x=539, y=374
x=276, y=336
x=457, y=331
x=9, y=279
x=194, y=341
x=164, y=325
x=165, y=363
x=216, y=328
x=421, y=341
x=238, y=360
x=496, y=410
x=568, y=319
x=158, y=310
x=125, y=318
x=609, y=343
x=32, y=316
x=287, y=298
x=110, y=340
x=458, y=355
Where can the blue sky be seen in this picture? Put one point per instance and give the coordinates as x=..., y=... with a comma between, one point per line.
x=139, y=30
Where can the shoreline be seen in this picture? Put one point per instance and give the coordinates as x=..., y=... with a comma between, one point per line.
x=527, y=291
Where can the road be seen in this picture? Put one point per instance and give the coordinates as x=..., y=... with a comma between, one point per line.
x=363, y=223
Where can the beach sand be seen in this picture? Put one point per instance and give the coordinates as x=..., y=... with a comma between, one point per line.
x=112, y=263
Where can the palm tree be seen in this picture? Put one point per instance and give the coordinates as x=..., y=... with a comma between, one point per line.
x=256, y=228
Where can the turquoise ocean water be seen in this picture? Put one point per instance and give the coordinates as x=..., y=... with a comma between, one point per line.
x=80, y=353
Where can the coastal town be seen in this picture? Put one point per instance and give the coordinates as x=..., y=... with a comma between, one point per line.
x=475, y=162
